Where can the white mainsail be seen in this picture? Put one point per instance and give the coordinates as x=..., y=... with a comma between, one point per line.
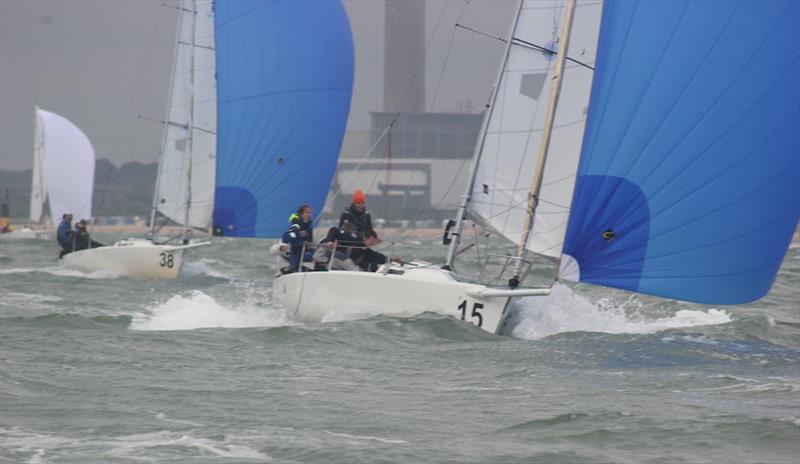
x=38, y=188
x=516, y=119
x=67, y=164
x=193, y=98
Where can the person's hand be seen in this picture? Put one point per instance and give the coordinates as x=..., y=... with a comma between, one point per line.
x=328, y=245
x=284, y=248
x=372, y=241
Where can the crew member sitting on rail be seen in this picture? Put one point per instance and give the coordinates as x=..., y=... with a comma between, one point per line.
x=300, y=234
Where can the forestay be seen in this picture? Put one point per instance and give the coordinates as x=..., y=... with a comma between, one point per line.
x=68, y=160
x=192, y=98
x=285, y=78
x=689, y=184
x=516, y=120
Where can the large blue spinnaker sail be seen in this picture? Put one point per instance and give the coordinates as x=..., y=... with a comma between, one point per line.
x=284, y=82
x=689, y=180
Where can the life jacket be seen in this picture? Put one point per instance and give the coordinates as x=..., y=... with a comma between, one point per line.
x=298, y=233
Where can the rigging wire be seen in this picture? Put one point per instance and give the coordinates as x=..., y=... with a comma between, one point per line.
x=131, y=100
x=418, y=213
x=395, y=119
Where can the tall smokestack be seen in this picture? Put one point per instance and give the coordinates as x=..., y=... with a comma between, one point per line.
x=404, y=57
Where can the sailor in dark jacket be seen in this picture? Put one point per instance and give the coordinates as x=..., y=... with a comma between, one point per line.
x=65, y=234
x=82, y=240
x=356, y=214
x=300, y=233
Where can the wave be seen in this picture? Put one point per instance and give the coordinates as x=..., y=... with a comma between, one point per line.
x=202, y=267
x=732, y=383
x=61, y=272
x=560, y=419
x=350, y=438
x=23, y=443
x=25, y=302
x=566, y=311
x=196, y=310
x=19, y=296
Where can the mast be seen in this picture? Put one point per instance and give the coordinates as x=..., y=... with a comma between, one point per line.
x=476, y=157
x=37, y=183
x=156, y=195
x=187, y=154
x=552, y=103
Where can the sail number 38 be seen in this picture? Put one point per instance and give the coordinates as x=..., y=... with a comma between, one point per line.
x=475, y=312
x=167, y=260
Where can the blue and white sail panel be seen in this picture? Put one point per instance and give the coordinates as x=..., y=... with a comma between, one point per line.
x=514, y=129
x=285, y=78
x=186, y=170
x=689, y=182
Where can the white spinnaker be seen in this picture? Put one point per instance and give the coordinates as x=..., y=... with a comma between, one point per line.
x=199, y=83
x=38, y=188
x=515, y=125
x=67, y=166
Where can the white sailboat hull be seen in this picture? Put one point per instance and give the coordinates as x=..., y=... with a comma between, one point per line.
x=403, y=291
x=132, y=258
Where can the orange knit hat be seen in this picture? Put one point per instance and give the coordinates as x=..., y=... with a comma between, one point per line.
x=359, y=197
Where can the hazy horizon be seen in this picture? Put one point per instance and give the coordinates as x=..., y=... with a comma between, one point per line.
x=103, y=64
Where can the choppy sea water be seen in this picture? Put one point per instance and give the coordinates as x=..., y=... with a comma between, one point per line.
x=96, y=368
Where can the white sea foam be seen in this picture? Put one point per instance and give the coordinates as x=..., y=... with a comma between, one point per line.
x=195, y=310
x=61, y=271
x=565, y=311
x=129, y=446
x=48, y=448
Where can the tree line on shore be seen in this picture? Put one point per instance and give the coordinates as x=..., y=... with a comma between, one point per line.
x=118, y=191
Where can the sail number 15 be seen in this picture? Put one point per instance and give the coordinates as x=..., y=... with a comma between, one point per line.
x=475, y=313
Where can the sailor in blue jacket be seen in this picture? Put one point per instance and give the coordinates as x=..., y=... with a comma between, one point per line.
x=65, y=234
x=301, y=232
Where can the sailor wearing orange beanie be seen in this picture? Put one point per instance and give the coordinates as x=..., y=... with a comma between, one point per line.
x=357, y=215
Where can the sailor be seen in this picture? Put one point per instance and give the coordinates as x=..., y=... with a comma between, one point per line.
x=342, y=240
x=82, y=239
x=299, y=234
x=65, y=234
x=357, y=215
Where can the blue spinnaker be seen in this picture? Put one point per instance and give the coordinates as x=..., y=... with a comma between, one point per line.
x=689, y=181
x=284, y=82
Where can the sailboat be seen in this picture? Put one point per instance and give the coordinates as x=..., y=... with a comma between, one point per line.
x=650, y=146
x=63, y=174
x=63, y=169
x=248, y=116
x=185, y=179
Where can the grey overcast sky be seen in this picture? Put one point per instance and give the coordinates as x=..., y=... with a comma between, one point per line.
x=102, y=63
